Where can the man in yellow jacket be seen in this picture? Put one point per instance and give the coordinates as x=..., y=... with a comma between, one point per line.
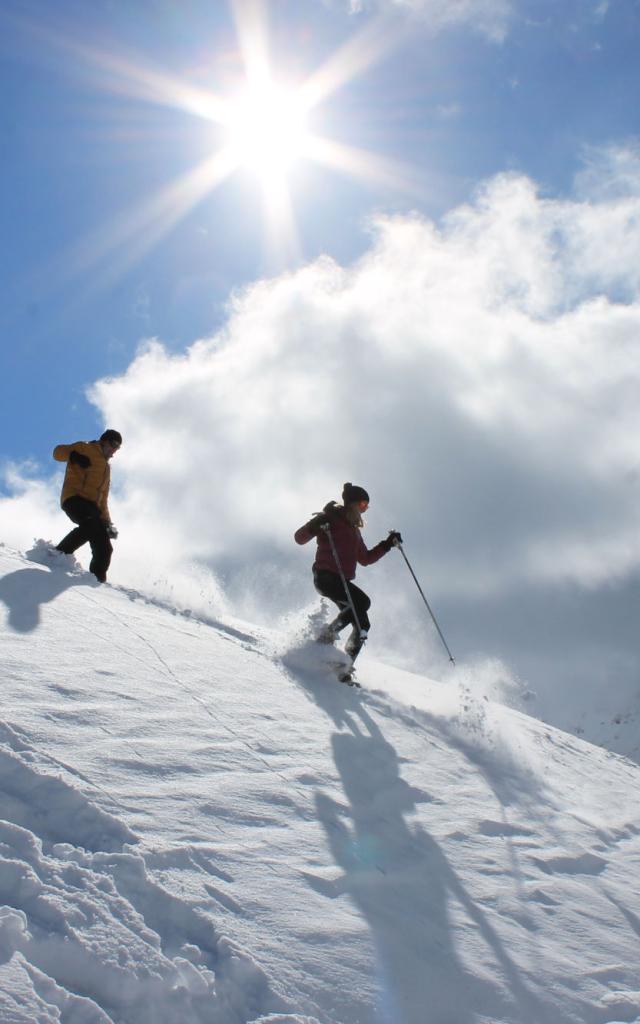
x=85, y=493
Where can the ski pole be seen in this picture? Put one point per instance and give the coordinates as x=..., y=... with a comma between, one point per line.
x=327, y=530
x=398, y=544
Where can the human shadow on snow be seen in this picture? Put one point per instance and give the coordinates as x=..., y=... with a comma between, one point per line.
x=403, y=884
x=26, y=590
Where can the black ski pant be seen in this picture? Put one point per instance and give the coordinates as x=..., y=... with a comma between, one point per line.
x=92, y=528
x=330, y=585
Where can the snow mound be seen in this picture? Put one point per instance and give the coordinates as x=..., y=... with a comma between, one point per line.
x=86, y=934
x=199, y=825
x=44, y=552
x=313, y=660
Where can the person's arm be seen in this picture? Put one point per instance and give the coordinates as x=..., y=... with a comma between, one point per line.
x=368, y=556
x=103, y=496
x=104, y=511
x=61, y=452
x=78, y=453
x=310, y=529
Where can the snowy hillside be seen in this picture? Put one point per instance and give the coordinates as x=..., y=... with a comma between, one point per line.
x=198, y=824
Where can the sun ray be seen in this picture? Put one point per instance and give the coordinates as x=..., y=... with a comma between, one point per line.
x=282, y=244
x=264, y=131
x=128, y=76
x=366, y=166
x=134, y=79
x=252, y=31
x=363, y=50
x=137, y=230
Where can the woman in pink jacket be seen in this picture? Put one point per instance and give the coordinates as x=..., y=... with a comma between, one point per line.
x=343, y=523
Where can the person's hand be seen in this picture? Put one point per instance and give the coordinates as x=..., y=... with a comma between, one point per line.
x=315, y=525
x=78, y=459
x=393, y=540
x=112, y=531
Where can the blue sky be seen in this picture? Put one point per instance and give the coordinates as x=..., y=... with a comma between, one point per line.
x=455, y=104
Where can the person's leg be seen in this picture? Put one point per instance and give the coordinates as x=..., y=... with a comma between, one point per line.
x=80, y=511
x=361, y=603
x=329, y=585
x=90, y=528
x=101, y=550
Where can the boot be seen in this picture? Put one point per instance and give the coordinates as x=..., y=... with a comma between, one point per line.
x=330, y=633
x=355, y=643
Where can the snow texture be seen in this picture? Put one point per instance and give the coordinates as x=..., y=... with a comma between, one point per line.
x=199, y=824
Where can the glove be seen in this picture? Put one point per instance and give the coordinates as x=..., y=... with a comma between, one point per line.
x=392, y=540
x=315, y=525
x=78, y=459
x=112, y=531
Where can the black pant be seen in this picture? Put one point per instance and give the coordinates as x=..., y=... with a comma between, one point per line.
x=330, y=585
x=92, y=528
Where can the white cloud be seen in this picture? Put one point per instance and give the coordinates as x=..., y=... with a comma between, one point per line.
x=30, y=505
x=601, y=10
x=480, y=377
x=448, y=111
x=476, y=377
x=490, y=17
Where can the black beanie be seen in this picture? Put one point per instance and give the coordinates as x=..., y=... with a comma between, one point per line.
x=112, y=436
x=351, y=492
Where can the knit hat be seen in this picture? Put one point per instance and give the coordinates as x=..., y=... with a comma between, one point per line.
x=113, y=437
x=351, y=492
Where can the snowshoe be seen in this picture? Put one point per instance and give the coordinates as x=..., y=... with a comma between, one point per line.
x=344, y=671
x=348, y=677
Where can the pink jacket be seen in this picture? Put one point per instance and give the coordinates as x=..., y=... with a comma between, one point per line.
x=347, y=539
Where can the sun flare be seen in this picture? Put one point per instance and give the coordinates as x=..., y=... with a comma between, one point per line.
x=267, y=130
x=263, y=130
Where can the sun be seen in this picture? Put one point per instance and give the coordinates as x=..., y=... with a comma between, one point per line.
x=264, y=130
x=267, y=130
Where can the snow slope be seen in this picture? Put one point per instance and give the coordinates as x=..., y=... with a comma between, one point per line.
x=199, y=825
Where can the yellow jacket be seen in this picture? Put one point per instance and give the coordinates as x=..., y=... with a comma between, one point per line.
x=91, y=483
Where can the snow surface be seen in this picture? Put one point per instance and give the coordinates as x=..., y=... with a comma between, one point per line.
x=199, y=824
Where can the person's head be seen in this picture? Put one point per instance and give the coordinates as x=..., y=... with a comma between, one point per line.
x=110, y=441
x=356, y=501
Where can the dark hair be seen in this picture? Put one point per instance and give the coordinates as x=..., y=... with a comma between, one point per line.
x=114, y=437
x=351, y=492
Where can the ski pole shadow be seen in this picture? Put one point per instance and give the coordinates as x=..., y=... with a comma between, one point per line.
x=402, y=883
x=26, y=590
x=492, y=761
